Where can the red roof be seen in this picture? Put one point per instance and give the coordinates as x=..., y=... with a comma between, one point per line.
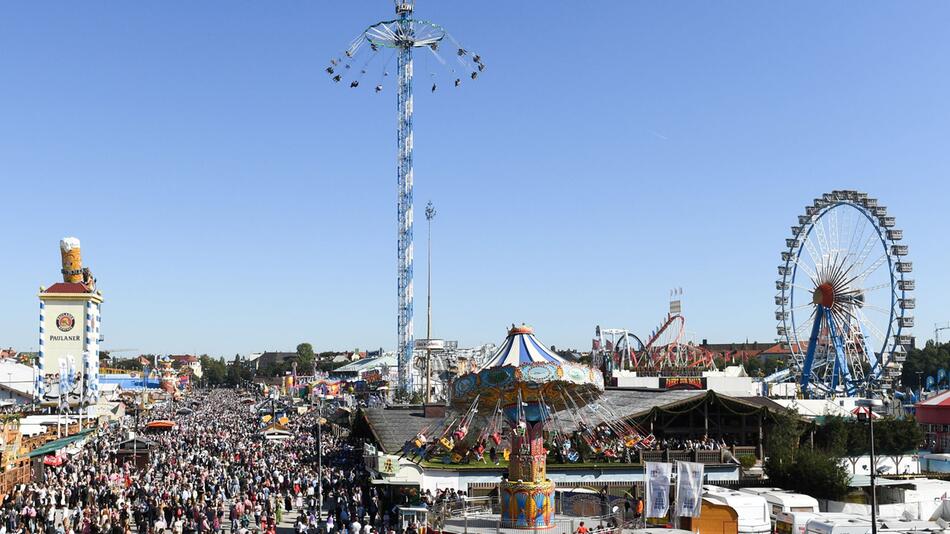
x=67, y=287
x=935, y=410
x=941, y=399
x=184, y=358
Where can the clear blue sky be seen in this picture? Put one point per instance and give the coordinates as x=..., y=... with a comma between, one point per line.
x=230, y=198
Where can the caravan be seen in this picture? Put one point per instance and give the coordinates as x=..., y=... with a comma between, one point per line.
x=838, y=523
x=781, y=500
x=792, y=522
x=787, y=502
x=752, y=511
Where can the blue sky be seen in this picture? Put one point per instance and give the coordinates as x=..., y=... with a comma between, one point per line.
x=230, y=198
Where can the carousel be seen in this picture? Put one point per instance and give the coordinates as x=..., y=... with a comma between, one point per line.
x=526, y=399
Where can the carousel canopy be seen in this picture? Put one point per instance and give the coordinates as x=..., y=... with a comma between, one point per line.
x=521, y=347
x=522, y=370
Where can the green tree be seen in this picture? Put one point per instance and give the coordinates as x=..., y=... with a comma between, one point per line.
x=305, y=358
x=814, y=472
x=214, y=372
x=130, y=364
x=926, y=361
x=832, y=436
x=818, y=474
x=239, y=371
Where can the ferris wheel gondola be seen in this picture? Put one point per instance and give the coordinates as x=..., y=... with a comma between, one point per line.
x=842, y=296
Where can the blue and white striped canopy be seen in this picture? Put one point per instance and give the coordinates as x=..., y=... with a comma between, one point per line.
x=522, y=347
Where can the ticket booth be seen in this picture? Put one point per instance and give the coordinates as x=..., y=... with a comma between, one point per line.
x=413, y=514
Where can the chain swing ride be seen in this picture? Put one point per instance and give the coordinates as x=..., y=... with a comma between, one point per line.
x=530, y=401
x=371, y=54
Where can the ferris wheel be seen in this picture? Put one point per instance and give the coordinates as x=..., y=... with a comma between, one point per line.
x=843, y=296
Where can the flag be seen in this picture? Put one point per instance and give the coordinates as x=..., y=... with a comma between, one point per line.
x=63, y=383
x=930, y=382
x=689, y=489
x=657, y=488
x=941, y=375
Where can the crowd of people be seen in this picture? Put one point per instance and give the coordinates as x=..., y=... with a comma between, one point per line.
x=213, y=472
x=704, y=443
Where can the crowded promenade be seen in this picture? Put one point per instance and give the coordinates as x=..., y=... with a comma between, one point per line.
x=213, y=472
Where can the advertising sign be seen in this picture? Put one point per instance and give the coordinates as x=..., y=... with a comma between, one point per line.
x=62, y=332
x=683, y=382
x=388, y=464
x=430, y=344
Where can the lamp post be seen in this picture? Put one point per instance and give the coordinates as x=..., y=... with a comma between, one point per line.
x=870, y=405
x=430, y=214
x=319, y=459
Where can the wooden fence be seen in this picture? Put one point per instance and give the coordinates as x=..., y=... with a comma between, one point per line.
x=10, y=478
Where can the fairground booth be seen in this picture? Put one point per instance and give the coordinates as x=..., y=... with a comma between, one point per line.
x=933, y=415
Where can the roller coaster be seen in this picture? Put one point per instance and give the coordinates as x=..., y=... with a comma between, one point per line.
x=664, y=351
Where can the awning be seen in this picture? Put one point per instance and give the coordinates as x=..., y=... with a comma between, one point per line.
x=160, y=424
x=58, y=444
x=387, y=482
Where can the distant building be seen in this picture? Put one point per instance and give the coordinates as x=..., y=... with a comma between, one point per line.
x=16, y=382
x=736, y=352
x=273, y=358
x=380, y=368
x=191, y=361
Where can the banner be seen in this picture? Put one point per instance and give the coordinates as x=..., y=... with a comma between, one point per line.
x=657, y=489
x=689, y=489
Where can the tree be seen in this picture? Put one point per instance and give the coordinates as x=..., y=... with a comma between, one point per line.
x=833, y=435
x=813, y=472
x=818, y=474
x=215, y=371
x=926, y=361
x=129, y=364
x=239, y=371
x=851, y=437
x=305, y=357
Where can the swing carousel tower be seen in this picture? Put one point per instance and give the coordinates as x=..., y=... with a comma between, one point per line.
x=377, y=46
x=528, y=384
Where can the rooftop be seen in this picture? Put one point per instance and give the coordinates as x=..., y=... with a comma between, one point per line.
x=391, y=427
x=67, y=287
x=368, y=363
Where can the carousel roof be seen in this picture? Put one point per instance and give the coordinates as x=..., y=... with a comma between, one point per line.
x=522, y=370
x=521, y=347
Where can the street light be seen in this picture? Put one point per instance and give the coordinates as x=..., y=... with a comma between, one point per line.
x=430, y=214
x=870, y=405
x=319, y=457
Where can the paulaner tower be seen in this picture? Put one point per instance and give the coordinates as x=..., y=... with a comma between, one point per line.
x=69, y=333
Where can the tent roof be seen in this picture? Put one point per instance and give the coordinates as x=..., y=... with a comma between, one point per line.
x=521, y=347
x=58, y=444
x=369, y=363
